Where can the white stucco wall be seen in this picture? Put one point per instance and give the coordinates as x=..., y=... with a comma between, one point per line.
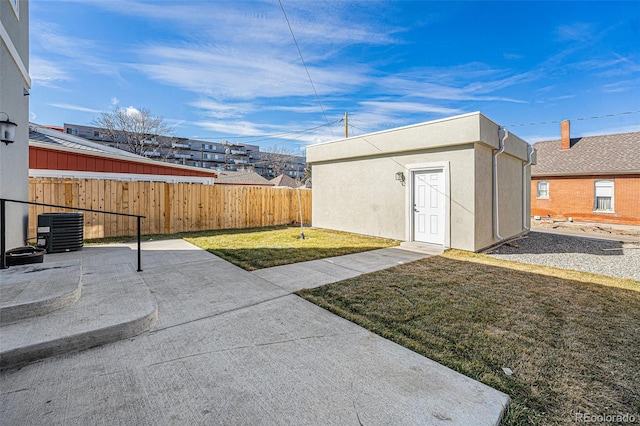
x=366, y=198
x=14, y=158
x=511, y=201
x=354, y=186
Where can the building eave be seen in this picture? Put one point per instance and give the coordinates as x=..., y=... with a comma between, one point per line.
x=140, y=159
x=591, y=173
x=242, y=184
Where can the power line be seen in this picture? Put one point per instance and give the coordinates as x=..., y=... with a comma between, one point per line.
x=573, y=119
x=268, y=136
x=296, y=132
x=305, y=65
x=356, y=128
x=539, y=123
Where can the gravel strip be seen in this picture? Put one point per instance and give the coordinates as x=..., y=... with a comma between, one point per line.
x=607, y=257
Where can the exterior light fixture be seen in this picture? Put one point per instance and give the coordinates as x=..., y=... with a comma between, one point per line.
x=7, y=130
x=400, y=177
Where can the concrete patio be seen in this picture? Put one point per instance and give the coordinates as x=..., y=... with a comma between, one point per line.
x=196, y=340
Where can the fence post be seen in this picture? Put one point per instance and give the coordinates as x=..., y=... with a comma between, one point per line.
x=3, y=243
x=139, y=255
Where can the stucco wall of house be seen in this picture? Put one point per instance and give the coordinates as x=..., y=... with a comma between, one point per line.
x=359, y=196
x=511, y=199
x=573, y=196
x=483, y=197
x=366, y=198
x=14, y=158
x=355, y=189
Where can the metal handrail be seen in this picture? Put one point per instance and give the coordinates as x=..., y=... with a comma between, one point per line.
x=3, y=261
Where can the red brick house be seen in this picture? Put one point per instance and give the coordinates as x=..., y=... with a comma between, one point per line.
x=589, y=179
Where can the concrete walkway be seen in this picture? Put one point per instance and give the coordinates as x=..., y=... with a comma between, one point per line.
x=232, y=347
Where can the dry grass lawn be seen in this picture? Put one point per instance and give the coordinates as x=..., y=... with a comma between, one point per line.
x=571, y=339
x=253, y=249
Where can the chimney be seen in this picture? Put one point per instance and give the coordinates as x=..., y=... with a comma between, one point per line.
x=565, y=135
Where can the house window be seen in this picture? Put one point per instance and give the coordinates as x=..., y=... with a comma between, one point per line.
x=543, y=189
x=603, y=196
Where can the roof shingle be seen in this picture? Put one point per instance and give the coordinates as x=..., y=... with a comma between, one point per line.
x=284, y=180
x=605, y=154
x=241, y=178
x=54, y=137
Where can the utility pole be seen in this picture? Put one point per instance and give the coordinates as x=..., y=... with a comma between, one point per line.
x=346, y=125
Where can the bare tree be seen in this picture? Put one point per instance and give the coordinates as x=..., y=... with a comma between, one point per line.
x=137, y=130
x=306, y=177
x=278, y=159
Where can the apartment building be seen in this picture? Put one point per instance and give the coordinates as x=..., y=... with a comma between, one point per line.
x=218, y=156
x=272, y=165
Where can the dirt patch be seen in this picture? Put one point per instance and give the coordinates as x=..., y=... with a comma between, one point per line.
x=587, y=229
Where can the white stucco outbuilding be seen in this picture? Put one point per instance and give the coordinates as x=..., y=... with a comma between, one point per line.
x=460, y=182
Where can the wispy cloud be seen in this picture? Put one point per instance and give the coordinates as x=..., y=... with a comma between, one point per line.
x=465, y=91
x=47, y=36
x=235, y=127
x=512, y=56
x=608, y=130
x=613, y=66
x=578, y=31
x=244, y=60
x=252, y=133
x=47, y=73
x=69, y=54
x=611, y=130
x=222, y=110
x=387, y=108
x=235, y=73
x=322, y=23
x=623, y=86
x=311, y=109
x=75, y=108
x=562, y=97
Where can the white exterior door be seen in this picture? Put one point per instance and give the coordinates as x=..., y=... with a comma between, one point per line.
x=429, y=206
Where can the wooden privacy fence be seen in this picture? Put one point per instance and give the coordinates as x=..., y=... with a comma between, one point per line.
x=169, y=207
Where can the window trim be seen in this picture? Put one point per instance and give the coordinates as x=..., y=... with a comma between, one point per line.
x=538, y=196
x=595, y=197
x=15, y=5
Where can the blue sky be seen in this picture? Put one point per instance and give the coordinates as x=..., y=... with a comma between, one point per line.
x=231, y=71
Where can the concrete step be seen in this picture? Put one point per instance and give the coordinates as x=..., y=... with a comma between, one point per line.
x=38, y=289
x=432, y=249
x=115, y=304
